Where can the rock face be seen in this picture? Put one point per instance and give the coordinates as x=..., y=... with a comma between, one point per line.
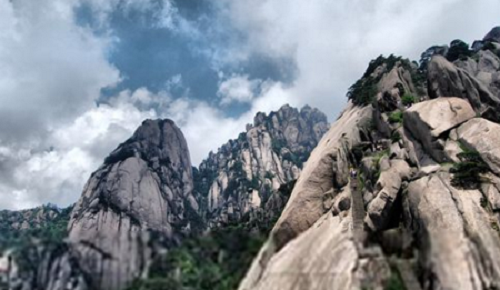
x=454, y=230
x=143, y=189
x=144, y=186
x=428, y=120
x=142, y=199
x=493, y=35
x=484, y=137
x=445, y=80
x=288, y=258
x=401, y=216
x=245, y=173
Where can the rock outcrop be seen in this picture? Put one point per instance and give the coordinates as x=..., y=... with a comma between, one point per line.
x=459, y=248
x=476, y=78
x=145, y=186
x=144, y=189
x=245, y=173
x=308, y=245
x=493, y=35
x=427, y=121
x=484, y=137
x=422, y=227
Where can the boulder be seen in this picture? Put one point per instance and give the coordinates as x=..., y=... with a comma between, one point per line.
x=460, y=249
x=445, y=79
x=484, y=137
x=386, y=192
x=397, y=152
x=451, y=149
x=429, y=119
x=491, y=189
x=485, y=69
x=493, y=35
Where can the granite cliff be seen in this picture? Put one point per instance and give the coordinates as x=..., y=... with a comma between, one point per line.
x=142, y=201
x=421, y=209
x=140, y=197
x=242, y=179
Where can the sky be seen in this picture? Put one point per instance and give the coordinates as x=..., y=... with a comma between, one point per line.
x=77, y=77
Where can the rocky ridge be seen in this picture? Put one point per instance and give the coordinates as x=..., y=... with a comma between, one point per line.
x=142, y=200
x=30, y=218
x=243, y=177
x=428, y=182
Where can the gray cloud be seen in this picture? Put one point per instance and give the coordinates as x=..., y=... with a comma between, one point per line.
x=53, y=135
x=331, y=42
x=52, y=71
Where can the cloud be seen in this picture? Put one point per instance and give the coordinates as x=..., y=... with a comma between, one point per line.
x=57, y=174
x=331, y=42
x=237, y=88
x=52, y=70
x=54, y=132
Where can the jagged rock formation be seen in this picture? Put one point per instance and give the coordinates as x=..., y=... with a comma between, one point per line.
x=142, y=200
x=143, y=189
x=429, y=179
x=493, y=35
x=29, y=218
x=144, y=186
x=246, y=173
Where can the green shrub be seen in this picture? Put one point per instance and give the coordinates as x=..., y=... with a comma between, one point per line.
x=255, y=184
x=292, y=158
x=458, y=50
x=277, y=144
x=363, y=91
x=395, y=282
x=466, y=173
x=408, y=99
x=396, y=117
x=376, y=164
x=483, y=202
x=395, y=136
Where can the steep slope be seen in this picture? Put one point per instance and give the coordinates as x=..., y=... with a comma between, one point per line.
x=143, y=190
x=243, y=177
x=422, y=210
x=145, y=184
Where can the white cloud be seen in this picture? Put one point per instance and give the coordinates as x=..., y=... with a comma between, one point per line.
x=58, y=174
x=237, y=88
x=53, y=135
x=331, y=42
x=52, y=70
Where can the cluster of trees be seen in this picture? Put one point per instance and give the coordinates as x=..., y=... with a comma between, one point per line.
x=214, y=261
x=50, y=231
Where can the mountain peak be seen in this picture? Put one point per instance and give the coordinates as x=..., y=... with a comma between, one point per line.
x=493, y=35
